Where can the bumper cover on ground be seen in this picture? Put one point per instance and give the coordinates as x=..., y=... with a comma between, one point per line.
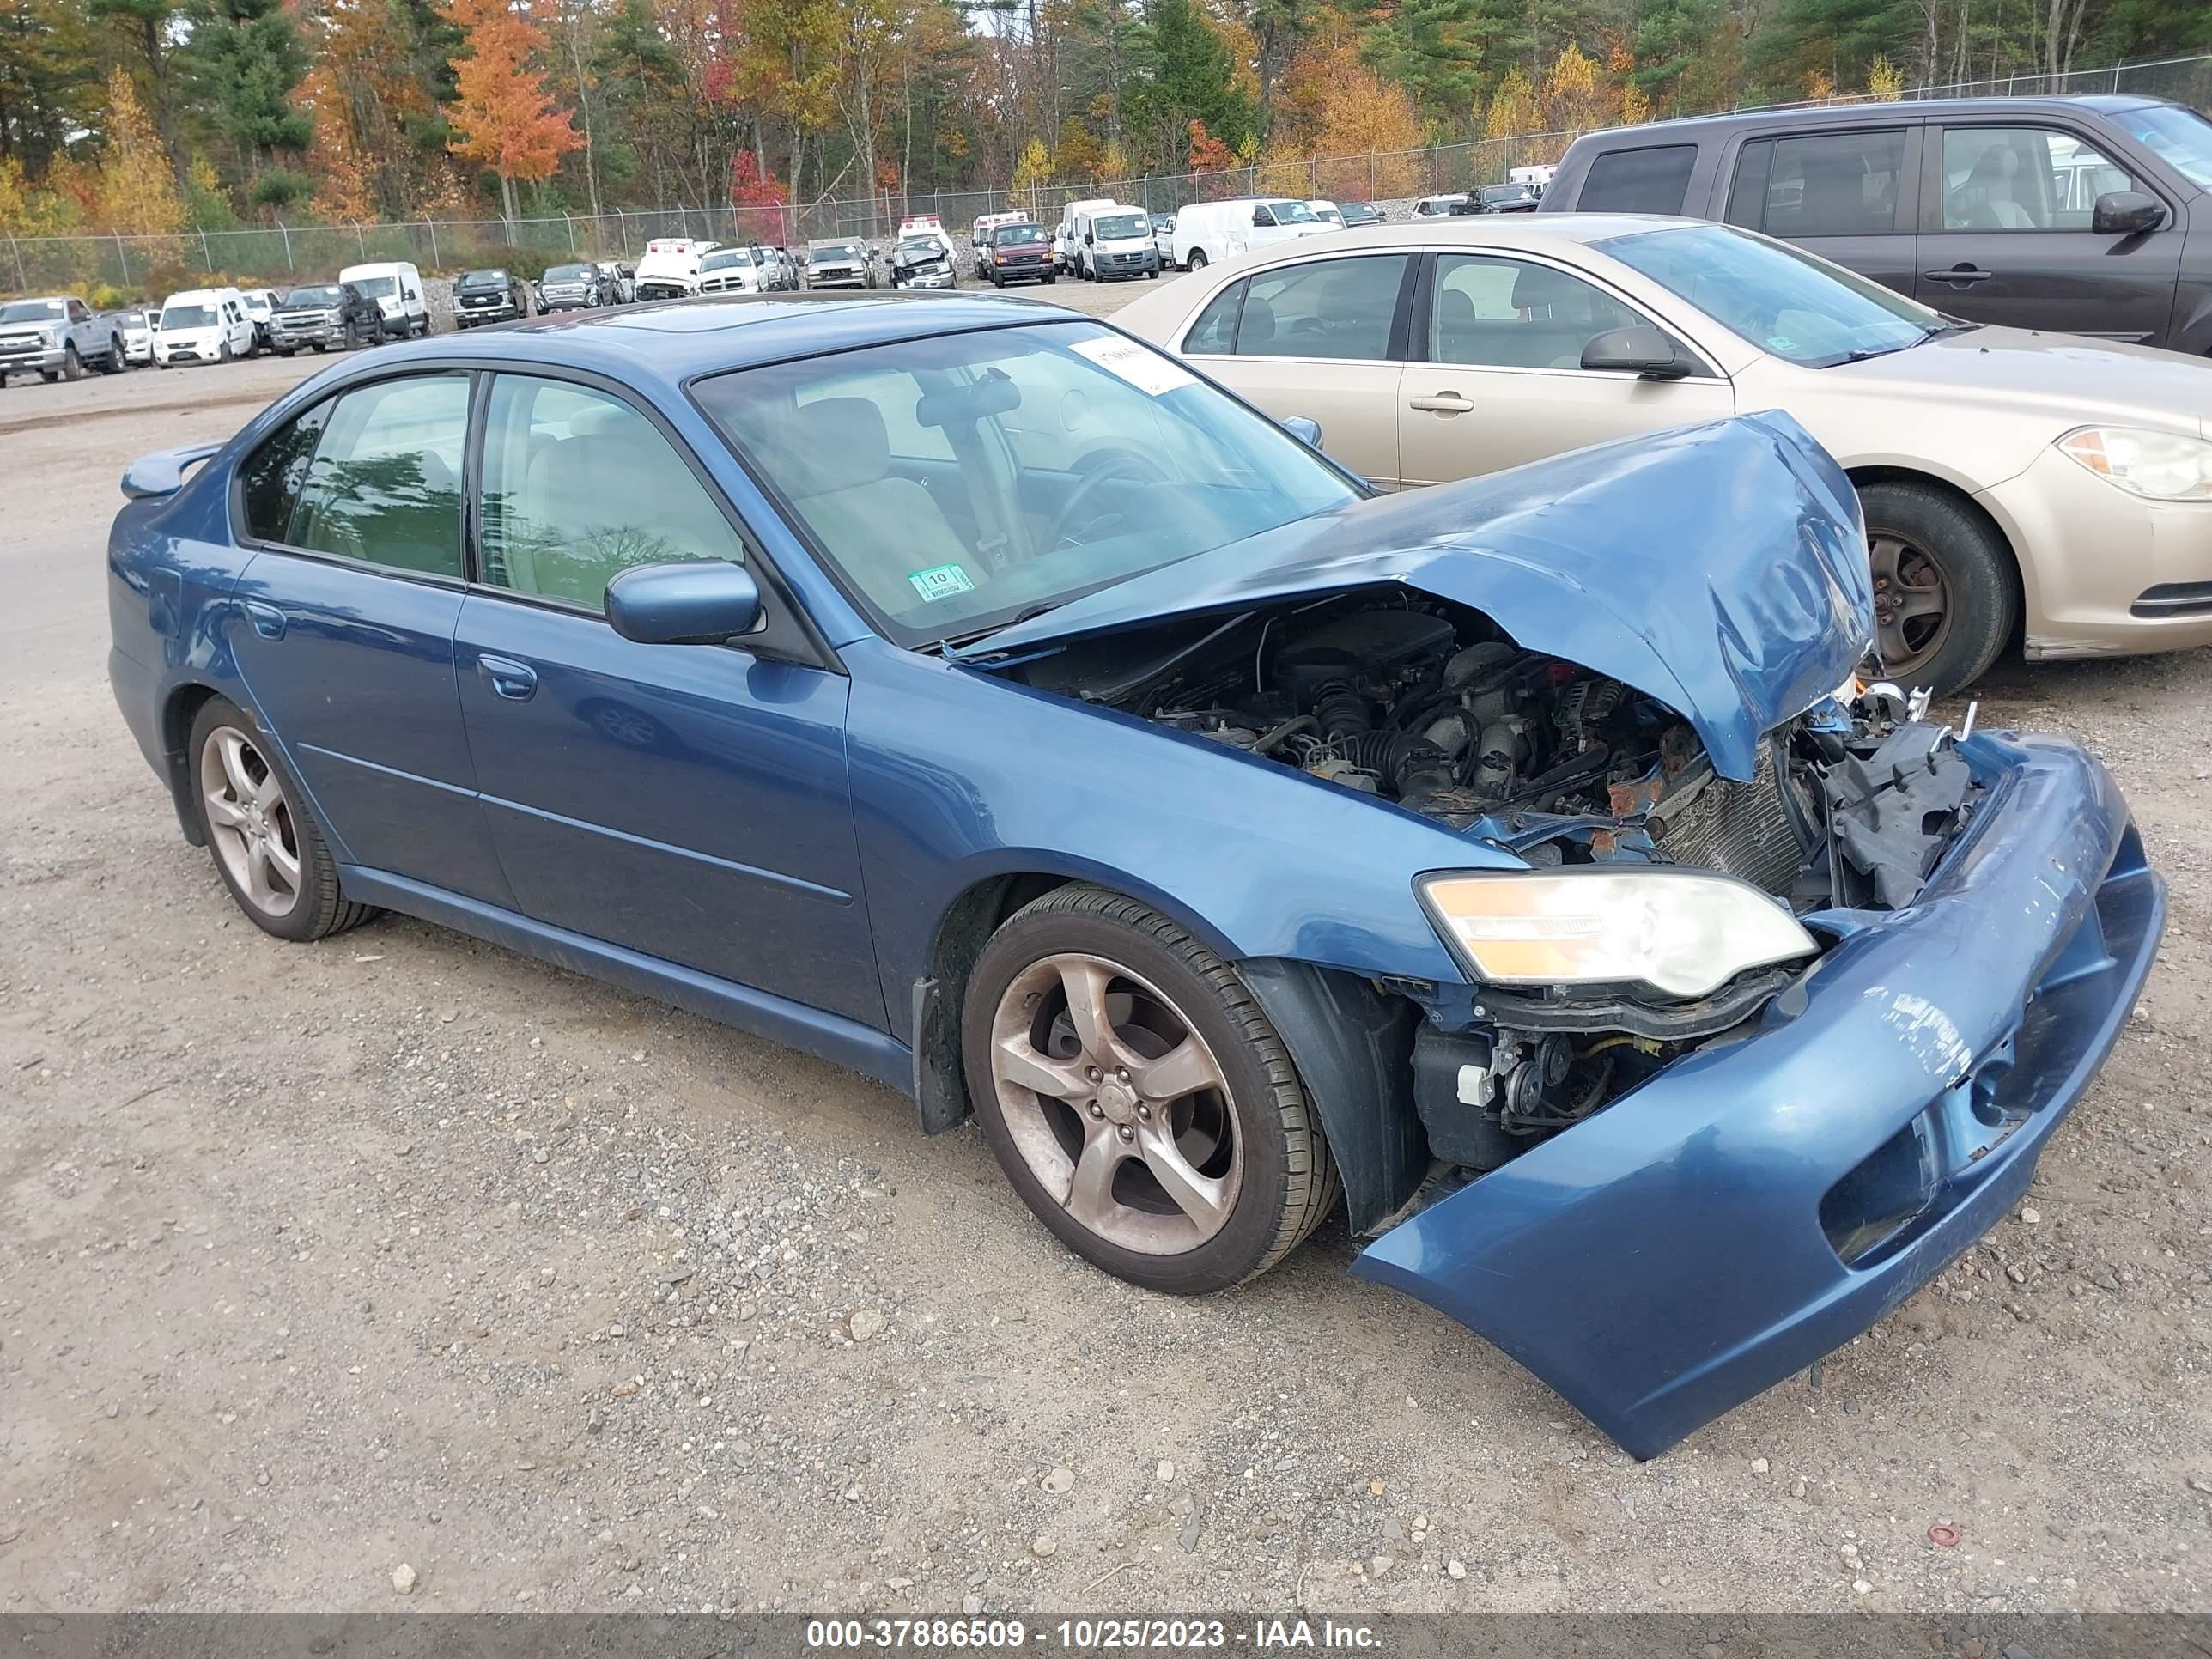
x=1668, y=1259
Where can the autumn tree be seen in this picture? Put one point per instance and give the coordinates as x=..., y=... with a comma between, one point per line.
x=502, y=116
x=1572, y=101
x=1884, y=81
x=137, y=193
x=1513, y=112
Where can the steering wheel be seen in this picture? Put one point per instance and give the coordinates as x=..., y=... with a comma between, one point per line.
x=1097, y=469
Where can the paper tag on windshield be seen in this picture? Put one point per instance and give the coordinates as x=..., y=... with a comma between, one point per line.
x=1141, y=366
x=941, y=581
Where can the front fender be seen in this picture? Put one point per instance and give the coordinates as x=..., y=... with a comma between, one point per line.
x=959, y=775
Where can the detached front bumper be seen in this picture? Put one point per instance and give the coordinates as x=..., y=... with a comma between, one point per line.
x=1686, y=1248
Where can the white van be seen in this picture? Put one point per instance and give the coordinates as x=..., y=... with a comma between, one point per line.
x=1114, y=242
x=1534, y=177
x=1206, y=231
x=1063, y=238
x=397, y=288
x=203, y=325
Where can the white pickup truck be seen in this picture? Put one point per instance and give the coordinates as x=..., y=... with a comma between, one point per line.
x=59, y=337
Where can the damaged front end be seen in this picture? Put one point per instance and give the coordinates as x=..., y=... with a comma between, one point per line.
x=1771, y=991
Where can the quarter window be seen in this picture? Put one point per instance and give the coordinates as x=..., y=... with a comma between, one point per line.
x=579, y=487
x=2024, y=179
x=1327, y=308
x=1510, y=313
x=1828, y=184
x=1653, y=180
x=1215, y=330
x=384, y=484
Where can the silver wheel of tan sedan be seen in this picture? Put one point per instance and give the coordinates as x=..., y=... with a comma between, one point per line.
x=1137, y=1096
x=267, y=846
x=1117, y=1104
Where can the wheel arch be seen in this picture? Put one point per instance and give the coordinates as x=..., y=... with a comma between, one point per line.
x=1877, y=473
x=180, y=709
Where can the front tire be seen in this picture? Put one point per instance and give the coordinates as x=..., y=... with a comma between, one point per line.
x=1946, y=595
x=72, y=364
x=1138, y=1098
x=267, y=846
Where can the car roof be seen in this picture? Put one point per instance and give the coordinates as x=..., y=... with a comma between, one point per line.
x=1653, y=133
x=673, y=340
x=1550, y=230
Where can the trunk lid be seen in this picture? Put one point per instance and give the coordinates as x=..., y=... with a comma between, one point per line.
x=1721, y=568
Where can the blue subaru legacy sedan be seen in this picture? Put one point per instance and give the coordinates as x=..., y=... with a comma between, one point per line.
x=965, y=692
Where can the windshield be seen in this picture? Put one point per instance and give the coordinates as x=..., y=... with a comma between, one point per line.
x=568, y=274
x=1503, y=193
x=469, y=279
x=920, y=247
x=835, y=251
x=725, y=259
x=187, y=317
x=383, y=287
x=31, y=311
x=1010, y=235
x=1062, y=457
x=1293, y=213
x=2181, y=136
x=1799, y=309
x=1120, y=226
x=306, y=298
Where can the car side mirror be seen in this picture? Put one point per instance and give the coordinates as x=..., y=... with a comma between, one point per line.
x=1641, y=350
x=1087, y=240
x=2126, y=213
x=1305, y=430
x=694, y=602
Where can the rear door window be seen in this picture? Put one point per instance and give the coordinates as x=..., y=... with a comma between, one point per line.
x=384, y=484
x=1652, y=181
x=1324, y=308
x=1825, y=184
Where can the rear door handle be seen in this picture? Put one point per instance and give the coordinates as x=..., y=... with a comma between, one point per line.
x=1960, y=274
x=513, y=680
x=1445, y=403
x=268, y=621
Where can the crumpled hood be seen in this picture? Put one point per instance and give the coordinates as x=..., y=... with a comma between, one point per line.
x=1721, y=568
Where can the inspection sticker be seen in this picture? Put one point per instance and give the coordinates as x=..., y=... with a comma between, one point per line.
x=1142, y=368
x=941, y=581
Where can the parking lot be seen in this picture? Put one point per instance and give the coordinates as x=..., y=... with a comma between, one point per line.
x=401, y=1251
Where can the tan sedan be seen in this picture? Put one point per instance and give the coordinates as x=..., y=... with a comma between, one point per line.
x=2043, y=488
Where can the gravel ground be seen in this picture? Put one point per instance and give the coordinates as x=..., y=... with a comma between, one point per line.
x=400, y=1271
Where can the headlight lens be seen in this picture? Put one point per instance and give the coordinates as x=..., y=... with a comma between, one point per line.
x=1684, y=933
x=2161, y=466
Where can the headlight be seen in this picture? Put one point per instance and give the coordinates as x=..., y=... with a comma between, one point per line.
x=2161, y=466
x=1684, y=933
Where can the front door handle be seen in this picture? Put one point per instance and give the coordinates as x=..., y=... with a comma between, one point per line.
x=268, y=621
x=513, y=680
x=1961, y=274
x=1445, y=403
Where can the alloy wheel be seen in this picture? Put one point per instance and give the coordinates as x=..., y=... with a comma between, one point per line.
x=1912, y=604
x=250, y=821
x=1117, y=1104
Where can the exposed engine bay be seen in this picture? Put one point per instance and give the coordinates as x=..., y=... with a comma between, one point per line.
x=1425, y=703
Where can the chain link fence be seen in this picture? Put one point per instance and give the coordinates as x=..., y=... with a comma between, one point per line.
x=282, y=255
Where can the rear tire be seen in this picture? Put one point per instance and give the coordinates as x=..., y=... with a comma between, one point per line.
x=1197, y=260
x=115, y=362
x=1938, y=551
x=264, y=839
x=1204, y=1161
